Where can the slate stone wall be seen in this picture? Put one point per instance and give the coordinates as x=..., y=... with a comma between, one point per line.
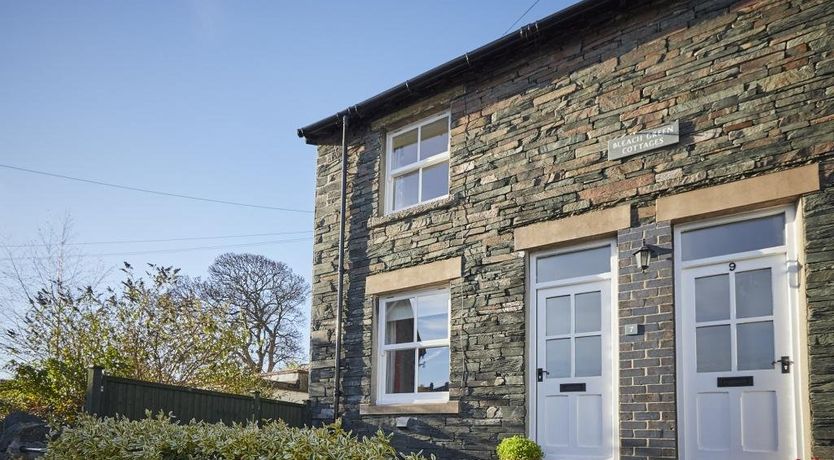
x=819, y=287
x=752, y=84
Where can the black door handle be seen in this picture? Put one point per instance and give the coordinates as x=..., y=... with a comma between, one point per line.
x=540, y=373
x=785, y=362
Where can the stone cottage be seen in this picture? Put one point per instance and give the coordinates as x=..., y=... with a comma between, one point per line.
x=611, y=231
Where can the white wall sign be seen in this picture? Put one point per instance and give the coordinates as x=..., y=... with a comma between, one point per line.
x=643, y=141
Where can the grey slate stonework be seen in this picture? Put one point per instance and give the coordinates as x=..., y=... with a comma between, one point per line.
x=819, y=279
x=752, y=84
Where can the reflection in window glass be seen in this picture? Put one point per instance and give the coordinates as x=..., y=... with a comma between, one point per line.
x=573, y=264
x=415, y=347
x=406, y=190
x=433, y=369
x=434, y=138
x=404, y=150
x=748, y=235
x=712, y=347
x=588, y=356
x=399, y=319
x=435, y=181
x=557, y=312
x=712, y=298
x=754, y=295
x=588, y=312
x=558, y=358
x=433, y=317
x=755, y=345
x=400, y=368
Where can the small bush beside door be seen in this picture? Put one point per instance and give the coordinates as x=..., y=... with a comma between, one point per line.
x=519, y=448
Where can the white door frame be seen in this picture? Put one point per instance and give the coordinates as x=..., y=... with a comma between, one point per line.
x=532, y=307
x=791, y=251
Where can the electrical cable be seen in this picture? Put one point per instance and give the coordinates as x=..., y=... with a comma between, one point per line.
x=154, y=192
x=520, y=17
x=161, y=240
x=168, y=251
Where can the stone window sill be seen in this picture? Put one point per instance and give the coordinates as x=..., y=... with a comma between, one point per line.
x=443, y=203
x=451, y=407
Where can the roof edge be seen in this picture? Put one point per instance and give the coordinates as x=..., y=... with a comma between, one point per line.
x=322, y=129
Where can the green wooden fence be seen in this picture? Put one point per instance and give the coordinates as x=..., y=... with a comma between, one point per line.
x=109, y=396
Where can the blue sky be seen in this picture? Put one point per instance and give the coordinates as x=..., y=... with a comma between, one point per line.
x=200, y=98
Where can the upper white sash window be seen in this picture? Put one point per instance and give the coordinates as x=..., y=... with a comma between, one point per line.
x=417, y=166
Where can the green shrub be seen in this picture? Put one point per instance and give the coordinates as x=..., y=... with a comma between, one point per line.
x=160, y=438
x=519, y=448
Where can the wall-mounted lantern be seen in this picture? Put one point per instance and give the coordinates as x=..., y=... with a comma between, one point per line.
x=644, y=256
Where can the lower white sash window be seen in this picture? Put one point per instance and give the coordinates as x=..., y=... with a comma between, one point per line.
x=413, y=348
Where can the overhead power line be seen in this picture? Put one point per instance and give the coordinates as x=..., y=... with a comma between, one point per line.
x=160, y=240
x=174, y=250
x=154, y=192
x=520, y=17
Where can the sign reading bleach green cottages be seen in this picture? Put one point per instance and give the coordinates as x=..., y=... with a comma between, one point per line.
x=643, y=141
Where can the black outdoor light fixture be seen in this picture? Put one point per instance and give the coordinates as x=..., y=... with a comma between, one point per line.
x=644, y=256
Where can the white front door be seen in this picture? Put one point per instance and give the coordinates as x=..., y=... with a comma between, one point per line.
x=574, y=351
x=735, y=327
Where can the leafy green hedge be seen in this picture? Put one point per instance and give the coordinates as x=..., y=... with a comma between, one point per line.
x=159, y=438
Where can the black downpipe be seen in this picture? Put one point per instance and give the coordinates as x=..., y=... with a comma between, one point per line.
x=337, y=371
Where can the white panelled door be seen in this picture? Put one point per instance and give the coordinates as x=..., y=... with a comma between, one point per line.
x=735, y=326
x=574, y=358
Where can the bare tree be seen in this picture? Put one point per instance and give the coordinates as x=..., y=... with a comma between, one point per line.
x=38, y=283
x=266, y=297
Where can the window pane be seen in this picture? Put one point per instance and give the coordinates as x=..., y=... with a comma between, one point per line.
x=588, y=356
x=573, y=264
x=433, y=370
x=399, y=322
x=558, y=315
x=433, y=317
x=434, y=138
x=712, y=345
x=435, y=181
x=748, y=235
x=755, y=345
x=400, y=369
x=404, y=149
x=405, y=190
x=557, y=357
x=588, y=310
x=754, y=295
x=712, y=298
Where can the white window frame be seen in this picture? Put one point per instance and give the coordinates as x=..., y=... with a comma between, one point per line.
x=408, y=398
x=391, y=174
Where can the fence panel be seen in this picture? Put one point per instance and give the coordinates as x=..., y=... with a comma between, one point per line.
x=110, y=396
